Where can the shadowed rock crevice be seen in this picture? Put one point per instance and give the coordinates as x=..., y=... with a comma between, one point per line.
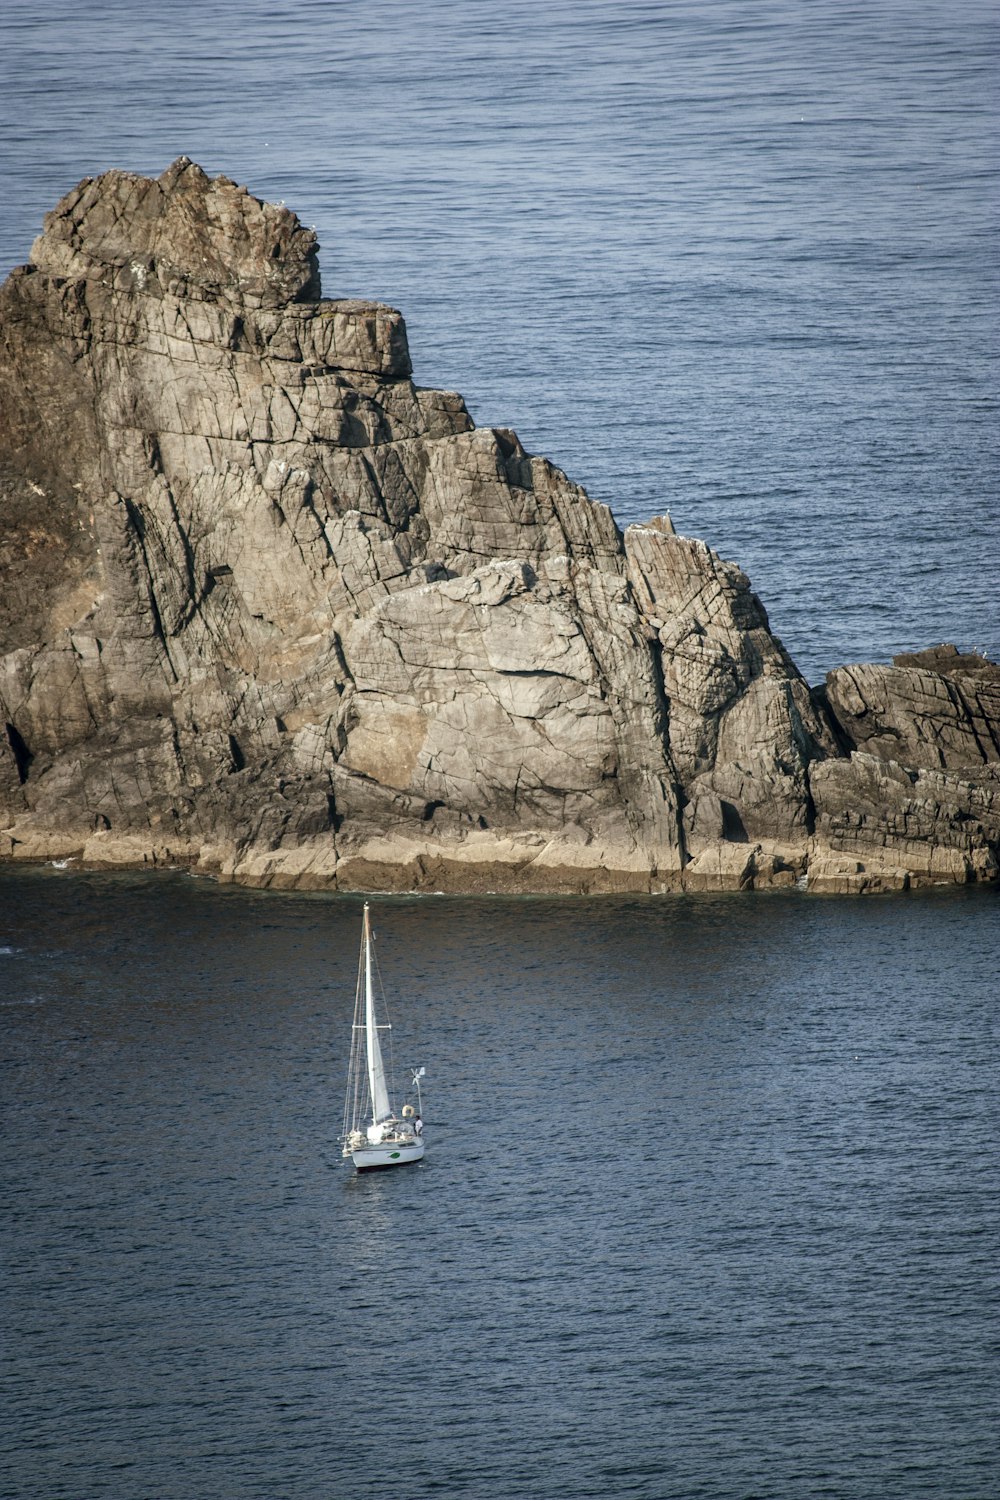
x=22, y=756
x=273, y=610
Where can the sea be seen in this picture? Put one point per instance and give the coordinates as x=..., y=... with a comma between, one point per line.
x=709, y=1209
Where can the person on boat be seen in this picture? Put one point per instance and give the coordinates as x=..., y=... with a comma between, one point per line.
x=418, y=1125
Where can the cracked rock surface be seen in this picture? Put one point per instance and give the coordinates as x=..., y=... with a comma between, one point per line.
x=272, y=610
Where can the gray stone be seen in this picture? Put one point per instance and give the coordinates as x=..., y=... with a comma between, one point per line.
x=273, y=611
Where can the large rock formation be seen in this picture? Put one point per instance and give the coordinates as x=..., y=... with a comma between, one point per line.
x=271, y=609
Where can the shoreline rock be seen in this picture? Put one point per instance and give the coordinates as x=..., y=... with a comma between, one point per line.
x=274, y=612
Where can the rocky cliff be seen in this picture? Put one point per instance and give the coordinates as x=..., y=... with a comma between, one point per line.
x=271, y=609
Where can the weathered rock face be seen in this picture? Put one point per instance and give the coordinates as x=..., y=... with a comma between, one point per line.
x=271, y=608
x=937, y=710
x=918, y=801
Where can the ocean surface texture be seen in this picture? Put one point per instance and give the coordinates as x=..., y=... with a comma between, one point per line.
x=733, y=260
x=710, y=1207
x=710, y=1204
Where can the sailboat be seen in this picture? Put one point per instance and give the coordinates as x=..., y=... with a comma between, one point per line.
x=373, y=1135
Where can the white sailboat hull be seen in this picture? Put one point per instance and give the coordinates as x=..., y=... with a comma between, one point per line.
x=387, y=1154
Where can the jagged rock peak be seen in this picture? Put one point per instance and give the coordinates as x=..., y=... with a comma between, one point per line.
x=185, y=233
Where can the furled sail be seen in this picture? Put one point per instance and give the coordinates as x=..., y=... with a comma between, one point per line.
x=381, y=1108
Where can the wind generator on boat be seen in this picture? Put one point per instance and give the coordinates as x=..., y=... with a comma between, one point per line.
x=373, y=1135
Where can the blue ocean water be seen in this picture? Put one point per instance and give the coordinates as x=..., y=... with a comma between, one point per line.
x=734, y=260
x=710, y=1202
x=709, y=1209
